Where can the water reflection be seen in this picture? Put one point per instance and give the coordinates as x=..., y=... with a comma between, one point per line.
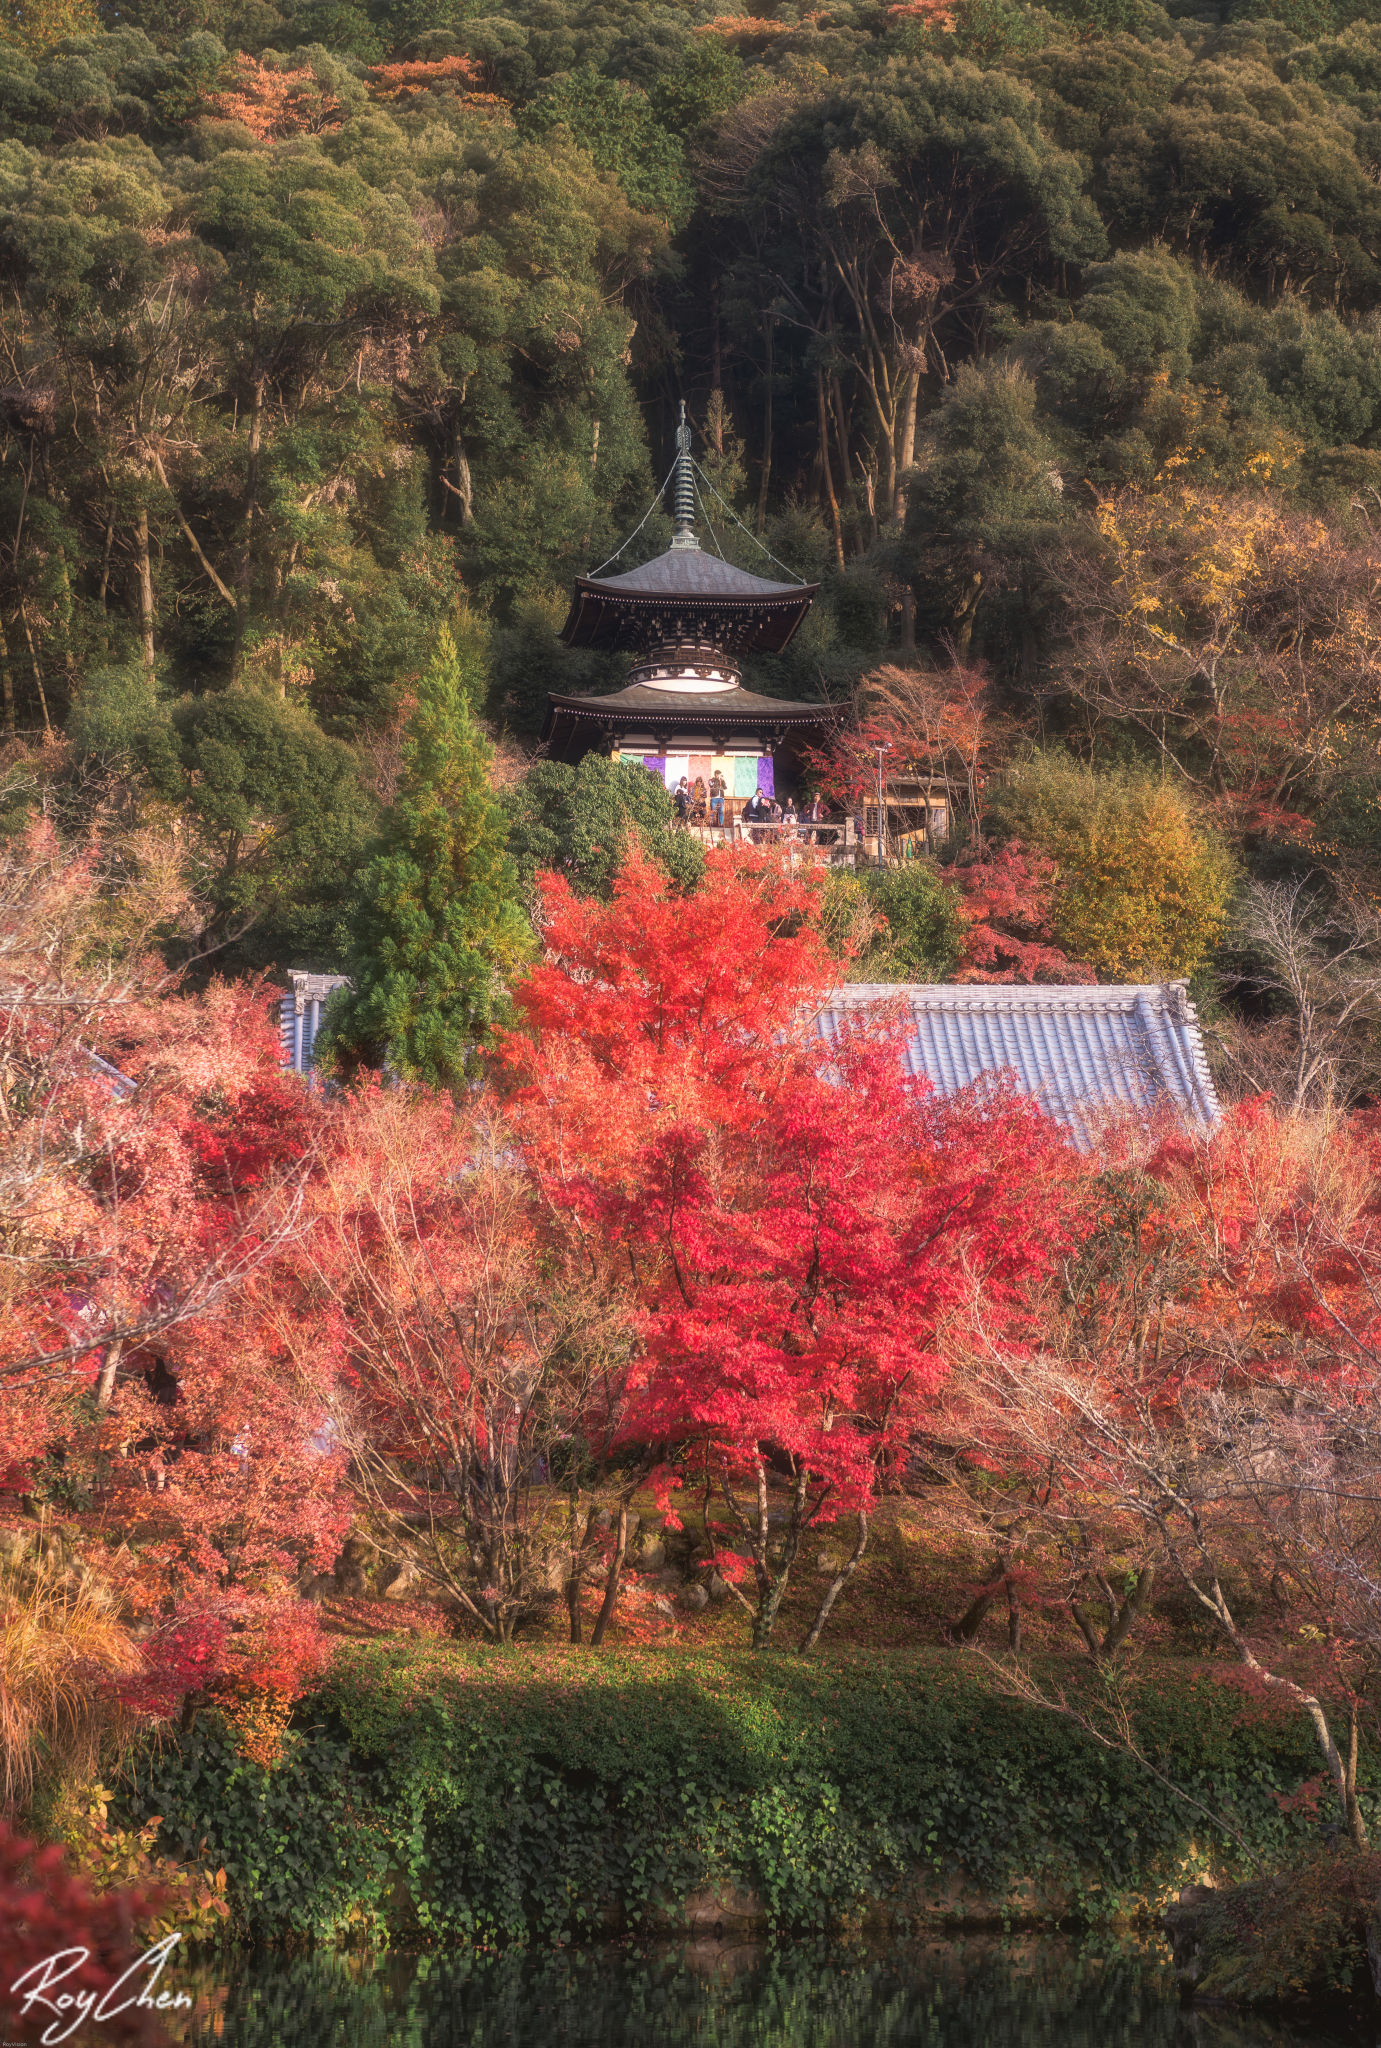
x=951, y=1995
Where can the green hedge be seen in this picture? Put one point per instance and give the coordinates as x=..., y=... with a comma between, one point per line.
x=478, y=1794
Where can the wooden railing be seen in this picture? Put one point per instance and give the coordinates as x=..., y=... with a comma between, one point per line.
x=835, y=838
x=834, y=835
x=739, y=828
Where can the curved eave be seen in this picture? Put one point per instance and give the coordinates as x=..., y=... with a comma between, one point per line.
x=713, y=708
x=615, y=621
x=585, y=719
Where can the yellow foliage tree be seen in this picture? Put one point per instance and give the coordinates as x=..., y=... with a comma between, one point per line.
x=1237, y=634
x=1141, y=889
x=33, y=26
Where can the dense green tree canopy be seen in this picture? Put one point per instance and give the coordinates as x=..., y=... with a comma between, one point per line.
x=434, y=925
x=322, y=316
x=579, y=821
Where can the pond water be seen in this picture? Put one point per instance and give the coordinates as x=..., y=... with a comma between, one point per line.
x=980, y=1994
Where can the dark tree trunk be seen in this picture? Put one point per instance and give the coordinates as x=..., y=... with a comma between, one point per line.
x=7, y=682
x=1122, y=1618
x=841, y=428
x=768, y=325
x=37, y=667
x=243, y=579
x=716, y=350
x=825, y=473
x=971, y=1620
x=611, y=1584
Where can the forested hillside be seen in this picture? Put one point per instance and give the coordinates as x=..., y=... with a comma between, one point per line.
x=1046, y=339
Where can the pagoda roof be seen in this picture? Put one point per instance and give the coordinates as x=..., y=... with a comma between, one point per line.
x=687, y=590
x=690, y=572
x=575, y=724
x=701, y=708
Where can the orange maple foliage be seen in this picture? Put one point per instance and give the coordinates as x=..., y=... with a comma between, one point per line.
x=153, y=1155
x=1214, y=1404
x=401, y=81
x=274, y=104
x=935, y=723
x=743, y=28
x=929, y=14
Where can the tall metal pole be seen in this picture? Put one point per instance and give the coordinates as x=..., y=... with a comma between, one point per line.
x=881, y=826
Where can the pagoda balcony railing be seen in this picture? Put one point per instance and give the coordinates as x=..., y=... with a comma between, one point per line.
x=839, y=837
x=742, y=831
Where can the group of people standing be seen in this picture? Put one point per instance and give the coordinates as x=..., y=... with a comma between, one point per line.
x=695, y=804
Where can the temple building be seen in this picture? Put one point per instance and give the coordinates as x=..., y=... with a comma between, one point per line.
x=686, y=619
x=1091, y=1057
x=301, y=1014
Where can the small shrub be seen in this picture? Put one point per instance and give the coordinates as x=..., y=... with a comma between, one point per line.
x=113, y=1858
x=923, y=935
x=1302, y=1931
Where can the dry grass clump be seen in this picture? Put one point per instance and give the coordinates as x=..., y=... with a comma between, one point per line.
x=61, y=1650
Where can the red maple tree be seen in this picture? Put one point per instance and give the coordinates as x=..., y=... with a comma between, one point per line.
x=458, y=1347
x=800, y=1223
x=153, y=1157
x=46, y=1911
x=1203, y=1405
x=1006, y=905
x=150, y=1142
x=936, y=724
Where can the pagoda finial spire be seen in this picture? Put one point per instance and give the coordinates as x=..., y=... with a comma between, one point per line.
x=684, y=508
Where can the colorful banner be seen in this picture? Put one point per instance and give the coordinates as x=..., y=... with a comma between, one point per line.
x=743, y=773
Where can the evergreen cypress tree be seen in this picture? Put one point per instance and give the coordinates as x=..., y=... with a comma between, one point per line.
x=436, y=925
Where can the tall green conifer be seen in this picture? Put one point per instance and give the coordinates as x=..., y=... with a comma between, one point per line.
x=436, y=926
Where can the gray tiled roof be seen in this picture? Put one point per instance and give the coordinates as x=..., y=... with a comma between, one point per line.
x=690, y=572
x=1082, y=1053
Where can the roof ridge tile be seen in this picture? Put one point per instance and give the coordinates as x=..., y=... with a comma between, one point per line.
x=1079, y=1049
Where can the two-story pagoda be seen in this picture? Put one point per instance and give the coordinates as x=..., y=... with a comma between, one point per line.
x=686, y=619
